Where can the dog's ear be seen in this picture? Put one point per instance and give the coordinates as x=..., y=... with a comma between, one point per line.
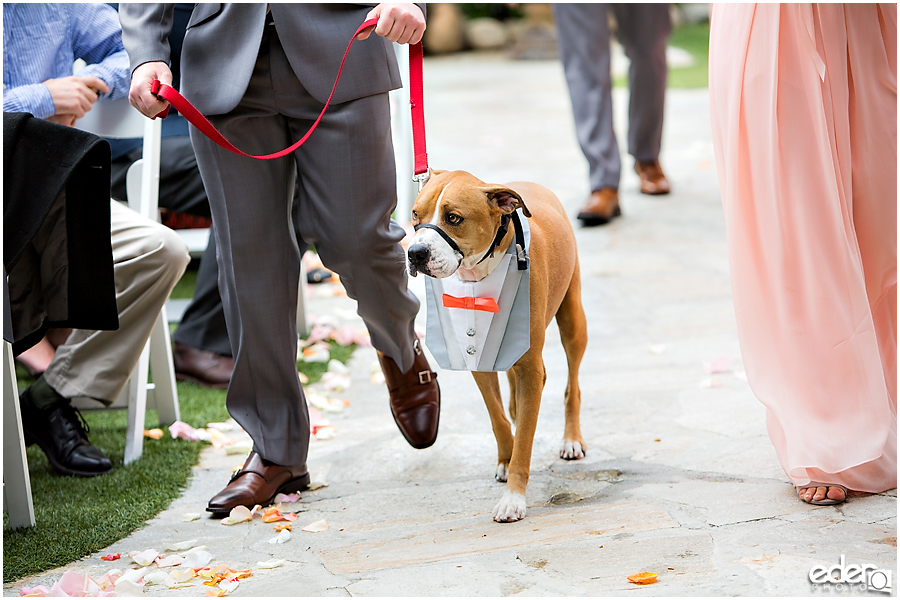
x=430, y=174
x=505, y=199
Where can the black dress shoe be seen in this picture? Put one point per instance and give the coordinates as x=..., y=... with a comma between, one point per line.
x=60, y=431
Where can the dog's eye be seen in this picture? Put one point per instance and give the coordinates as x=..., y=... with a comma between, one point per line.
x=415, y=216
x=454, y=219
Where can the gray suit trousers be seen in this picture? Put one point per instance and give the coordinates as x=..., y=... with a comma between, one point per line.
x=584, y=48
x=347, y=193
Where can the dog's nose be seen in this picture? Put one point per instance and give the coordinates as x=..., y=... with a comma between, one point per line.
x=419, y=254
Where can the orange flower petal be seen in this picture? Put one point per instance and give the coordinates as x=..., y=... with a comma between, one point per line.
x=643, y=578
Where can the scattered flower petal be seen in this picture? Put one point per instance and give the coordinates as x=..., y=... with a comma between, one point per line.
x=170, y=561
x=239, y=448
x=656, y=348
x=335, y=382
x=179, y=546
x=229, y=585
x=115, y=556
x=336, y=366
x=41, y=590
x=156, y=578
x=188, y=517
x=283, y=526
x=317, y=526
x=215, y=593
x=318, y=353
x=711, y=382
x=270, y=564
x=740, y=375
x=230, y=425
x=196, y=559
x=219, y=439
x=303, y=378
x=643, y=578
x=324, y=432
x=144, y=558
x=124, y=587
x=279, y=498
x=282, y=537
x=273, y=514
x=238, y=514
x=154, y=434
x=180, y=429
x=179, y=576
x=719, y=364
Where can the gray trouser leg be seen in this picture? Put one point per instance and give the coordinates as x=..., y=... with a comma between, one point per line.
x=643, y=32
x=347, y=182
x=584, y=49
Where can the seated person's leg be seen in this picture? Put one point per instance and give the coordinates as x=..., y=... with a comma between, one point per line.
x=148, y=261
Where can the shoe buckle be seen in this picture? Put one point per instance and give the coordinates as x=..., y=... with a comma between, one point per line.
x=424, y=377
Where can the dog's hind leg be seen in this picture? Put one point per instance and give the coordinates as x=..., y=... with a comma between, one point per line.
x=573, y=332
x=489, y=385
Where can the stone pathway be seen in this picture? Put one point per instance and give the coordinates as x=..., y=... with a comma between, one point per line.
x=680, y=478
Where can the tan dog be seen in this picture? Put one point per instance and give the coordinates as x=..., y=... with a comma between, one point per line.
x=469, y=212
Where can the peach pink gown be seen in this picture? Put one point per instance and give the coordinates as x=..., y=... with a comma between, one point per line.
x=803, y=100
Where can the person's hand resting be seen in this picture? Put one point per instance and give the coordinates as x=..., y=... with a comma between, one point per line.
x=401, y=23
x=140, y=96
x=73, y=96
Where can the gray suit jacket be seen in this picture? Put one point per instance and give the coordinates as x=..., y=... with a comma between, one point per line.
x=222, y=43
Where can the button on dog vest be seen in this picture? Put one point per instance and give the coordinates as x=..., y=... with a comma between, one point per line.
x=470, y=332
x=470, y=350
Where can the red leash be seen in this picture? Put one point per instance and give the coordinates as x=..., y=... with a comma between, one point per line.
x=167, y=92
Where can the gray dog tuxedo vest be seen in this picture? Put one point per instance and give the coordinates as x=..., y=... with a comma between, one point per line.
x=483, y=325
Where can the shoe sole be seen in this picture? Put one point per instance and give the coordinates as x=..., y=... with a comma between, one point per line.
x=298, y=484
x=589, y=221
x=31, y=439
x=195, y=380
x=437, y=426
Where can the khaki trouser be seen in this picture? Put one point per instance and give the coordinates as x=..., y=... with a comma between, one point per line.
x=148, y=261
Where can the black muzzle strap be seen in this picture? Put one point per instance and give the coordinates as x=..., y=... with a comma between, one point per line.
x=521, y=257
x=442, y=233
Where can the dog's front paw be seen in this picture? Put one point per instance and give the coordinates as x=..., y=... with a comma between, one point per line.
x=502, y=472
x=571, y=450
x=510, y=508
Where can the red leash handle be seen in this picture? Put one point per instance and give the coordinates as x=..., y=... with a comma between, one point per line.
x=167, y=92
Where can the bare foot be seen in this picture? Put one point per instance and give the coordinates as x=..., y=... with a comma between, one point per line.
x=37, y=358
x=817, y=494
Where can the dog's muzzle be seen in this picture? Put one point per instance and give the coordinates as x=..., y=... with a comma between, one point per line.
x=418, y=256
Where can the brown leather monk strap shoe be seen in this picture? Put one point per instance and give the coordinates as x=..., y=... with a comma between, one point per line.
x=415, y=398
x=653, y=180
x=601, y=207
x=202, y=366
x=258, y=482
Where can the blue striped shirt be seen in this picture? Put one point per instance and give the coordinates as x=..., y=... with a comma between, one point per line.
x=41, y=41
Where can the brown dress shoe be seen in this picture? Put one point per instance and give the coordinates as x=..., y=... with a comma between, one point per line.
x=601, y=207
x=258, y=482
x=202, y=367
x=415, y=398
x=653, y=180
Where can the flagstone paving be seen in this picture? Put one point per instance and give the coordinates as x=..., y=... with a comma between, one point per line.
x=680, y=478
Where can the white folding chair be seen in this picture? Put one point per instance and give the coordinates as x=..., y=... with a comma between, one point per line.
x=117, y=119
x=16, y=482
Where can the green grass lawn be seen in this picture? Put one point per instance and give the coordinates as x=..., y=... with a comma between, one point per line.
x=694, y=39
x=76, y=516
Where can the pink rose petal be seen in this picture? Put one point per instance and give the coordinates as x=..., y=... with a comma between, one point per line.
x=719, y=364
x=279, y=498
x=36, y=591
x=182, y=430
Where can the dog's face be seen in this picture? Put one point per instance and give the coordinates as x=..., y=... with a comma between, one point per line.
x=467, y=211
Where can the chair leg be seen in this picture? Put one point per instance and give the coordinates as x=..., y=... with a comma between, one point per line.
x=137, y=407
x=16, y=481
x=165, y=394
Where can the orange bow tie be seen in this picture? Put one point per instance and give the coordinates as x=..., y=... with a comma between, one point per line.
x=485, y=304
